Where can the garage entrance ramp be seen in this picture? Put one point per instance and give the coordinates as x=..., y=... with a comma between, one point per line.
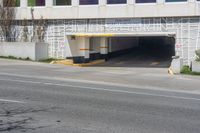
x=146, y=51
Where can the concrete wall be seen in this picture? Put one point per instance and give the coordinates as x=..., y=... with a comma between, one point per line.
x=75, y=46
x=131, y=9
x=122, y=43
x=34, y=51
x=41, y=51
x=72, y=48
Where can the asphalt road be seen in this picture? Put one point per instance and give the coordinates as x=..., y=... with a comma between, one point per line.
x=53, y=105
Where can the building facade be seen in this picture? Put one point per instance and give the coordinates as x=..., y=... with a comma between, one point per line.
x=79, y=28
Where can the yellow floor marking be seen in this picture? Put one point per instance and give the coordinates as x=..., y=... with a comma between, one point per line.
x=155, y=63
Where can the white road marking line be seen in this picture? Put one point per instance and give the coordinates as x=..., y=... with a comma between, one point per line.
x=10, y=101
x=103, y=89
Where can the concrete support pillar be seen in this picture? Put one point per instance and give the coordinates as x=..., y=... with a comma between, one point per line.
x=84, y=47
x=160, y=2
x=102, y=2
x=75, y=2
x=104, y=47
x=23, y=3
x=130, y=2
x=191, y=1
x=49, y=3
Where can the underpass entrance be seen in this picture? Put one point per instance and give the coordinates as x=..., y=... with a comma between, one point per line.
x=154, y=51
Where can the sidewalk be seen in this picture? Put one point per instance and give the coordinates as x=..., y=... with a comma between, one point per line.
x=146, y=78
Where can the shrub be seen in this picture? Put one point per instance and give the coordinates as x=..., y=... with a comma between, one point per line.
x=27, y=58
x=12, y=57
x=186, y=70
x=48, y=60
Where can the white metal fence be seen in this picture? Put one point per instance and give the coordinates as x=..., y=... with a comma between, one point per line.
x=186, y=29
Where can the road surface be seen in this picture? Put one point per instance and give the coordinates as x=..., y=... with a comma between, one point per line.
x=34, y=104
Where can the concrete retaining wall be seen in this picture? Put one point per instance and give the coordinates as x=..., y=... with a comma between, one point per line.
x=34, y=51
x=195, y=66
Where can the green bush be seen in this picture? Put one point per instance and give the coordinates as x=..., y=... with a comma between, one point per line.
x=186, y=70
x=27, y=58
x=12, y=57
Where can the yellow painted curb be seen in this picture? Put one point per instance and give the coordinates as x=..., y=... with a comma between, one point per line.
x=90, y=63
x=63, y=62
x=53, y=62
x=70, y=63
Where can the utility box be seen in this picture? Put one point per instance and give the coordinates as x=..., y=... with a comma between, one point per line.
x=195, y=66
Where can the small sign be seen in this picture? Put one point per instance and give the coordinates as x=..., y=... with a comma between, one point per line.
x=62, y=46
x=178, y=45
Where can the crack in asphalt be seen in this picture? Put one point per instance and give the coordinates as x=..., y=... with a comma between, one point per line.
x=18, y=119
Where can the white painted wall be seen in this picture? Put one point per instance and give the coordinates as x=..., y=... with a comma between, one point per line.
x=122, y=43
x=35, y=51
x=72, y=48
x=159, y=9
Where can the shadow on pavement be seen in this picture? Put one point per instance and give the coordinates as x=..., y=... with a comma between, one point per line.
x=154, y=57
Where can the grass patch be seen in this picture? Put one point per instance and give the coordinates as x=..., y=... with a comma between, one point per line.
x=15, y=58
x=187, y=70
x=8, y=57
x=48, y=60
x=28, y=59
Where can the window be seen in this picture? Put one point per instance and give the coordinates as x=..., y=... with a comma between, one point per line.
x=145, y=1
x=88, y=2
x=176, y=0
x=11, y=3
x=61, y=2
x=36, y=2
x=116, y=1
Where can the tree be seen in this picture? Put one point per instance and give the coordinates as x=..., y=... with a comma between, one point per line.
x=24, y=35
x=39, y=27
x=7, y=20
